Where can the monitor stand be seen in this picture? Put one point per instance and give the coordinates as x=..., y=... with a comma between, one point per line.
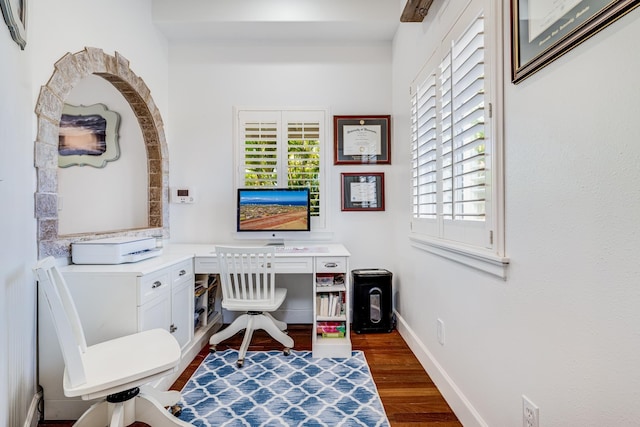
x=275, y=242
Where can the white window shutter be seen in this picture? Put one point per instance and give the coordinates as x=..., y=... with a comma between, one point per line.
x=424, y=146
x=258, y=149
x=283, y=148
x=449, y=145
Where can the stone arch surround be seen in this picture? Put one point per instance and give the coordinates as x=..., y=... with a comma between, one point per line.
x=70, y=69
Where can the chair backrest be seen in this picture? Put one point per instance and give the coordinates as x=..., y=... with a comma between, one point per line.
x=247, y=273
x=65, y=319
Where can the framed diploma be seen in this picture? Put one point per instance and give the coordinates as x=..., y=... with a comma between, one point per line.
x=361, y=140
x=544, y=30
x=363, y=191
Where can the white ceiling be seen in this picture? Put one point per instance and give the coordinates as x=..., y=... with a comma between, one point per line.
x=278, y=20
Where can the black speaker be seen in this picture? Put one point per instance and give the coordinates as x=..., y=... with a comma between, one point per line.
x=372, y=301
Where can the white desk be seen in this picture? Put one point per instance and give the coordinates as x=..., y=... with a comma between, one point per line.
x=115, y=300
x=309, y=259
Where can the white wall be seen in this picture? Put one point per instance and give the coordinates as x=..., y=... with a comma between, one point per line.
x=563, y=328
x=53, y=29
x=124, y=182
x=17, y=235
x=207, y=81
x=57, y=28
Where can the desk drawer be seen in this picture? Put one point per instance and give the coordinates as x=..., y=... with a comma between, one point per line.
x=182, y=272
x=153, y=286
x=294, y=265
x=331, y=264
x=282, y=265
x=206, y=265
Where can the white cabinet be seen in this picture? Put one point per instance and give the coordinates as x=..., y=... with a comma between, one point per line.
x=182, y=288
x=165, y=300
x=117, y=300
x=155, y=314
x=331, y=326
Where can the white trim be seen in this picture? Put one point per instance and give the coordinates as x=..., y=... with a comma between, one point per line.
x=461, y=406
x=483, y=261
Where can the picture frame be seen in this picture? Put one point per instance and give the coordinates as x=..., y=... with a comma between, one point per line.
x=361, y=140
x=15, y=16
x=362, y=191
x=88, y=135
x=562, y=25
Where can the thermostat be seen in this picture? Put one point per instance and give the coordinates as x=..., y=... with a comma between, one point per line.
x=182, y=195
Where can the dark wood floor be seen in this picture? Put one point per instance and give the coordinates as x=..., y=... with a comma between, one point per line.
x=408, y=395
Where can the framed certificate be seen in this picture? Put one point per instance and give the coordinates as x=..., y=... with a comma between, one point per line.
x=363, y=191
x=543, y=30
x=361, y=140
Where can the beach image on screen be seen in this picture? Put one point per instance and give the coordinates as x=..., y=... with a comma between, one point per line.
x=273, y=210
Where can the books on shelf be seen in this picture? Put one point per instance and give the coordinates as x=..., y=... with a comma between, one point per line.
x=330, y=304
x=205, y=292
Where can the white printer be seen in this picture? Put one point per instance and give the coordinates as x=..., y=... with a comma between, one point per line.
x=114, y=250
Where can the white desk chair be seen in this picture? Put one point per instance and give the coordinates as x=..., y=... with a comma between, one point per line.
x=248, y=285
x=114, y=371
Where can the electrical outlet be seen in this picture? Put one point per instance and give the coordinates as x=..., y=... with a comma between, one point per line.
x=530, y=413
x=440, y=331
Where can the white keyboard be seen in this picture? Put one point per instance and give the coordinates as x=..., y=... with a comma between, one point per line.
x=301, y=249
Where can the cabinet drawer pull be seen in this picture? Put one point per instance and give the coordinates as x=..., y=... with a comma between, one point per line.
x=330, y=264
x=182, y=272
x=173, y=328
x=156, y=284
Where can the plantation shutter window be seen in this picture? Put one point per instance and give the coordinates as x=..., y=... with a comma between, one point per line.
x=283, y=149
x=450, y=144
x=260, y=153
x=424, y=145
x=468, y=102
x=303, y=159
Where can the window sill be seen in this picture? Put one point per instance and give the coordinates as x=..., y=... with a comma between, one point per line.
x=474, y=258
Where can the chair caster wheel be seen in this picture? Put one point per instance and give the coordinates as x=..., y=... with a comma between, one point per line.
x=286, y=351
x=212, y=349
x=176, y=410
x=240, y=363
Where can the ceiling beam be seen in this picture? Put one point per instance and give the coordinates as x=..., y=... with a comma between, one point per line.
x=415, y=10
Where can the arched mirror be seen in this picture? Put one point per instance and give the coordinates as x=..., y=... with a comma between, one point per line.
x=70, y=200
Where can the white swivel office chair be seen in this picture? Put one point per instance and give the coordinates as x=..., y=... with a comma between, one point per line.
x=248, y=285
x=115, y=371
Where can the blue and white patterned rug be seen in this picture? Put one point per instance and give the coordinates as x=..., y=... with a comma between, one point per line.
x=272, y=389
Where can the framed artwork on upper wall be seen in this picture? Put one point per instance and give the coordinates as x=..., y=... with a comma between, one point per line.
x=362, y=191
x=543, y=30
x=361, y=140
x=15, y=16
x=88, y=135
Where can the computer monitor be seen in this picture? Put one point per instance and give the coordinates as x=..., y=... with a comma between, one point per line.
x=273, y=210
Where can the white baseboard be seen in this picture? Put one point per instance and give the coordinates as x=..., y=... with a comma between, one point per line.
x=458, y=402
x=32, y=415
